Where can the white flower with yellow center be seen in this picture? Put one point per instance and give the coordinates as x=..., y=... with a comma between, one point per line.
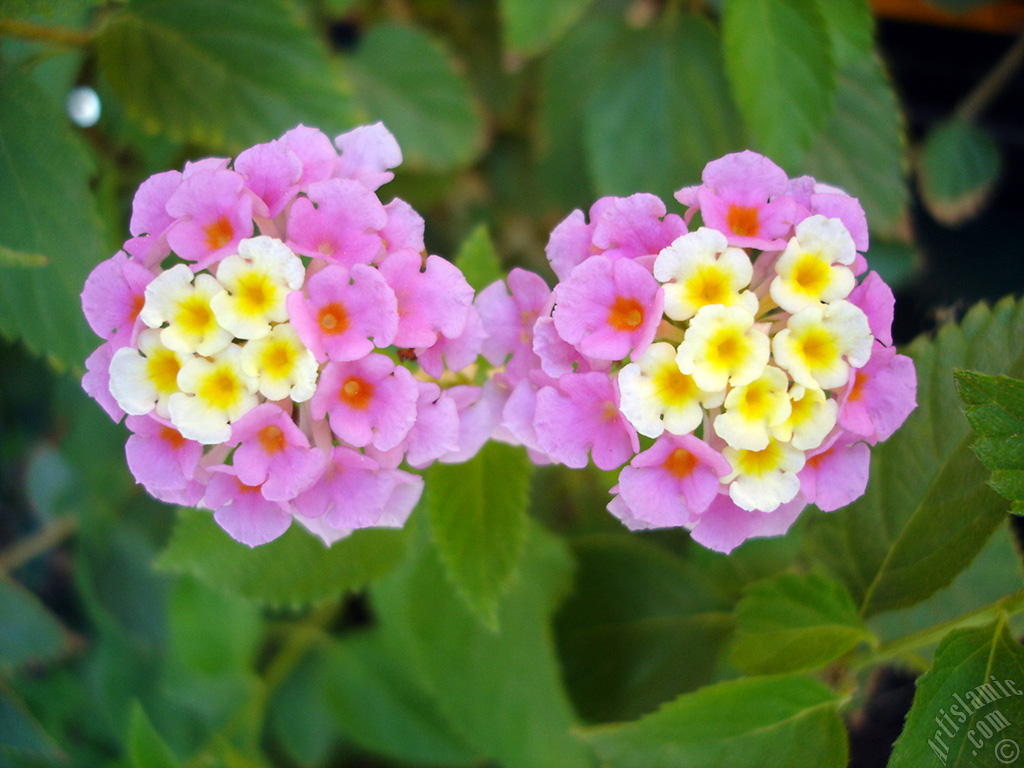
x=213, y=394
x=723, y=346
x=700, y=269
x=763, y=480
x=282, y=364
x=173, y=298
x=820, y=344
x=656, y=396
x=752, y=410
x=812, y=417
x=256, y=281
x=142, y=380
x=813, y=268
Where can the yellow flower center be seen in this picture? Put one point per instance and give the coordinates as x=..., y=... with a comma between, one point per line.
x=811, y=274
x=195, y=315
x=162, y=368
x=221, y=389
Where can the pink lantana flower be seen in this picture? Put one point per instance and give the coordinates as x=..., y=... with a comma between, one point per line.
x=757, y=359
x=879, y=396
x=214, y=214
x=671, y=482
x=113, y=296
x=274, y=453
x=511, y=315
x=236, y=365
x=582, y=416
x=634, y=227
x=608, y=309
x=367, y=401
x=348, y=312
x=243, y=511
x=339, y=221
x=744, y=197
x=433, y=298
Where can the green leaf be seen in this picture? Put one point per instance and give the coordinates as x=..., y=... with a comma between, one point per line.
x=222, y=73
x=478, y=519
x=478, y=259
x=928, y=509
x=851, y=28
x=571, y=69
x=795, y=622
x=19, y=731
x=28, y=631
x=410, y=81
x=404, y=722
x=501, y=690
x=198, y=613
x=641, y=627
x=753, y=722
x=292, y=570
x=958, y=168
x=145, y=747
x=995, y=409
x=300, y=717
x=967, y=704
x=996, y=572
x=46, y=208
x=781, y=71
x=530, y=26
x=661, y=111
x=861, y=148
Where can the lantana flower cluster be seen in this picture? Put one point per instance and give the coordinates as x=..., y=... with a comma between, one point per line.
x=280, y=342
x=739, y=369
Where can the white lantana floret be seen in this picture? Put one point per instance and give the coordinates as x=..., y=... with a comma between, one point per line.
x=700, y=269
x=256, y=282
x=174, y=299
x=656, y=396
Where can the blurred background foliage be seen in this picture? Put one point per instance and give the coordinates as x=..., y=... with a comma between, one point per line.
x=387, y=649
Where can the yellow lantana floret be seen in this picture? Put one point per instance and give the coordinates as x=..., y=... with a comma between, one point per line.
x=656, y=396
x=763, y=480
x=174, y=300
x=813, y=268
x=256, y=282
x=752, y=410
x=723, y=346
x=213, y=394
x=282, y=365
x=811, y=419
x=700, y=269
x=142, y=380
x=821, y=343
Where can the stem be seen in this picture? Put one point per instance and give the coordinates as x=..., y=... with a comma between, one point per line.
x=26, y=30
x=39, y=542
x=1008, y=605
x=994, y=82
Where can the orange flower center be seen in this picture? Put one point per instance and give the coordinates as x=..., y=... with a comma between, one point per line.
x=356, y=393
x=680, y=463
x=743, y=221
x=625, y=314
x=173, y=437
x=333, y=319
x=219, y=233
x=271, y=439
